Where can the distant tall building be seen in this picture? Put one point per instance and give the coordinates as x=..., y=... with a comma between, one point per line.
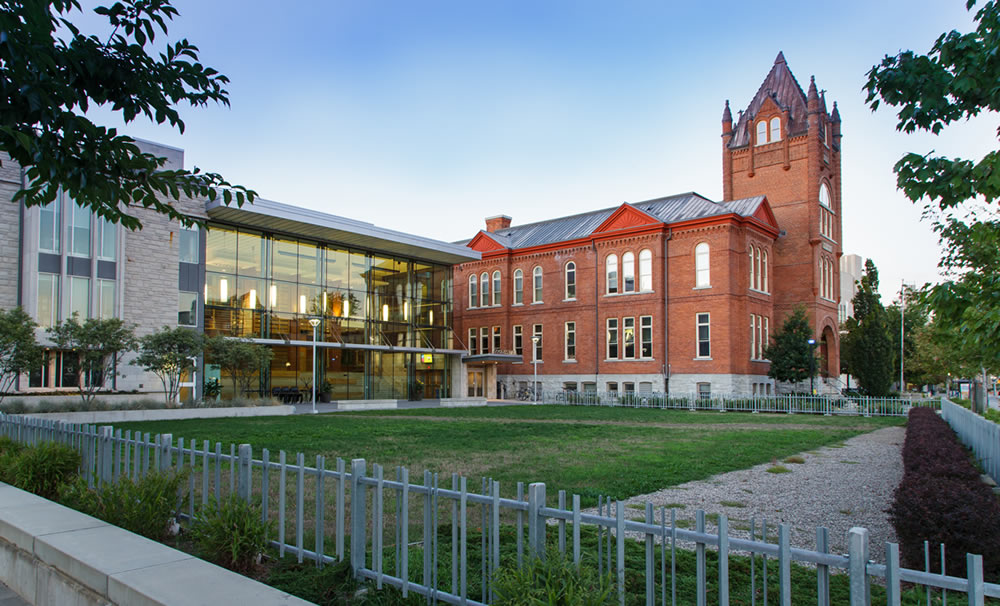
x=676, y=294
x=851, y=269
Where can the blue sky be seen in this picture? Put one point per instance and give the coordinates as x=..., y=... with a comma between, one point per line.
x=428, y=117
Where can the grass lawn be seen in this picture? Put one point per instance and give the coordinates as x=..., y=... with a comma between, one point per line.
x=588, y=451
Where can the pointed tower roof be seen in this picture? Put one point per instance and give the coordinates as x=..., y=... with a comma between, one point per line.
x=727, y=116
x=781, y=86
x=835, y=116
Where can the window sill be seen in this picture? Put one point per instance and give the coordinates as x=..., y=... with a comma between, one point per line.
x=702, y=359
x=569, y=361
x=537, y=302
x=630, y=293
x=622, y=360
x=569, y=300
x=702, y=287
x=516, y=304
x=760, y=292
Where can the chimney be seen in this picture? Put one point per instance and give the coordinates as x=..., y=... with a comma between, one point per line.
x=497, y=222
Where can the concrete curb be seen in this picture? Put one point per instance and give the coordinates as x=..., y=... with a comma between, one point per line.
x=159, y=414
x=50, y=554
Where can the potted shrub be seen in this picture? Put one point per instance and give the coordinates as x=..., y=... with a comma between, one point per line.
x=418, y=390
x=325, y=391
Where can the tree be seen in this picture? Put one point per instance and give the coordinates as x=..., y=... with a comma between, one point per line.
x=100, y=346
x=19, y=352
x=869, y=352
x=241, y=359
x=168, y=353
x=954, y=81
x=792, y=357
x=51, y=73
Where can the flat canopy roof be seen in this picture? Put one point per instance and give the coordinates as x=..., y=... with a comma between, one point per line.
x=491, y=358
x=268, y=215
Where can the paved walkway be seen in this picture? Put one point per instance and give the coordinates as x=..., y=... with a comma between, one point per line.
x=9, y=598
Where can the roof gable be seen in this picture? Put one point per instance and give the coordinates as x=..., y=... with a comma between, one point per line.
x=625, y=217
x=483, y=242
x=765, y=215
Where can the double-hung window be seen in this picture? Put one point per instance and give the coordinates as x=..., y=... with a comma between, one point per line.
x=704, y=336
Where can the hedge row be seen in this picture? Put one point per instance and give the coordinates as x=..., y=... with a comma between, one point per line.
x=942, y=500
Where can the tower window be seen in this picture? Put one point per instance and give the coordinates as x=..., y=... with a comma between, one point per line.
x=762, y=132
x=775, y=129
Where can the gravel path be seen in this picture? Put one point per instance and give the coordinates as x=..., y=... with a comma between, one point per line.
x=836, y=487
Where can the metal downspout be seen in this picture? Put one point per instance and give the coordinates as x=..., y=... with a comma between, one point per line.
x=597, y=319
x=666, y=311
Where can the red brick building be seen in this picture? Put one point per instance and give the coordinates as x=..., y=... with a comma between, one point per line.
x=677, y=294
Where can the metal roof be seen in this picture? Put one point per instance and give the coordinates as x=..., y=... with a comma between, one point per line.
x=274, y=216
x=670, y=209
x=781, y=86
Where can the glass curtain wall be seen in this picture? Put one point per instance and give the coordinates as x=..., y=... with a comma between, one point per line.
x=267, y=286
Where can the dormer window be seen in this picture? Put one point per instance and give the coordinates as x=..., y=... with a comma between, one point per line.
x=762, y=132
x=775, y=129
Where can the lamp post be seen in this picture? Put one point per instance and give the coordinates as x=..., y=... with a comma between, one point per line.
x=812, y=366
x=314, y=322
x=534, y=364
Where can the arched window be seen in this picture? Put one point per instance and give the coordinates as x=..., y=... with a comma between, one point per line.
x=518, y=287
x=753, y=272
x=775, y=129
x=702, y=279
x=645, y=270
x=484, y=289
x=473, y=292
x=571, y=280
x=759, y=272
x=496, y=288
x=762, y=132
x=536, y=278
x=763, y=268
x=611, y=273
x=628, y=272
x=824, y=195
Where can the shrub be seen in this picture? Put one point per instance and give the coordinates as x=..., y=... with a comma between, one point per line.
x=555, y=581
x=147, y=506
x=44, y=468
x=231, y=533
x=942, y=500
x=9, y=451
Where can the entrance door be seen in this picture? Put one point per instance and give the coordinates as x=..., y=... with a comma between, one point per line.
x=476, y=383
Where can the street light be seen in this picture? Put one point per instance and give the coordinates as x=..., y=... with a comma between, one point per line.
x=314, y=322
x=534, y=364
x=812, y=366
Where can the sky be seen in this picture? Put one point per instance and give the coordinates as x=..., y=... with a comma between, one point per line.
x=429, y=116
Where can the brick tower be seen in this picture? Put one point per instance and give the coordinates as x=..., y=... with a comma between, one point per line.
x=786, y=147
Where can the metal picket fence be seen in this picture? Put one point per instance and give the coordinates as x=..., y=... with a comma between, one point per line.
x=786, y=403
x=463, y=536
x=981, y=435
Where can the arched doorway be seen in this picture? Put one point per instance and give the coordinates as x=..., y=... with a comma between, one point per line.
x=829, y=353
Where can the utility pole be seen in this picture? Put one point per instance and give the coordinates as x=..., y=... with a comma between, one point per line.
x=902, y=314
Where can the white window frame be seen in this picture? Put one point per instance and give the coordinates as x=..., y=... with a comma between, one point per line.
x=484, y=339
x=702, y=265
x=100, y=298
x=763, y=267
x=55, y=209
x=761, y=132
x=473, y=342
x=774, y=131
x=518, y=339
x=518, y=287
x=484, y=289
x=70, y=306
x=536, y=349
x=569, y=274
x=569, y=341
x=495, y=299
x=611, y=330
x=536, y=284
x=473, y=291
x=645, y=270
x=703, y=319
x=645, y=324
x=611, y=283
x=71, y=248
x=496, y=339
x=54, y=301
x=103, y=226
x=628, y=329
x=628, y=272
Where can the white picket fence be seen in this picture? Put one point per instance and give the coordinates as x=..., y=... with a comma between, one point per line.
x=369, y=519
x=979, y=434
